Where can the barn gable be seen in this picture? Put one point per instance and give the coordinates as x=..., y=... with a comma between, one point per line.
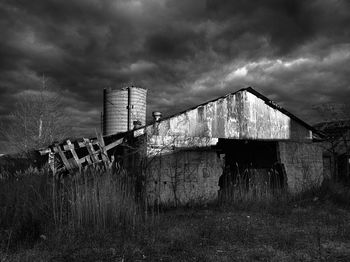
x=245, y=114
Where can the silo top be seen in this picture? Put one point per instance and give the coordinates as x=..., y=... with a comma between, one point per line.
x=110, y=89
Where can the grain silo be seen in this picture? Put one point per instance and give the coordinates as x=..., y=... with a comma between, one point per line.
x=121, y=107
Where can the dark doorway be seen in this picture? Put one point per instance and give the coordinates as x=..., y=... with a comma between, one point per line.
x=248, y=153
x=344, y=167
x=252, y=166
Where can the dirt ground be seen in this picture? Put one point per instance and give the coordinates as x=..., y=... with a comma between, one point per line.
x=313, y=231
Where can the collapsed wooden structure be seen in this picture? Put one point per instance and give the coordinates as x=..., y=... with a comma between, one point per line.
x=68, y=156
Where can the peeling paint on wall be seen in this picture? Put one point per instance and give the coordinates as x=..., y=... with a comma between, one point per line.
x=241, y=115
x=167, y=144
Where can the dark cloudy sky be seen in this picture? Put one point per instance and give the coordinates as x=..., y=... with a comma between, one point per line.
x=184, y=52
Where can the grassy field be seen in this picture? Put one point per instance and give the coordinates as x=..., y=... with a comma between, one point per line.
x=93, y=217
x=309, y=231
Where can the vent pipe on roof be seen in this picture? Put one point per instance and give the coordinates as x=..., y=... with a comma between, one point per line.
x=156, y=116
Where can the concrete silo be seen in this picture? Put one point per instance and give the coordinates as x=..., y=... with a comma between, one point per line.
x=121, y=107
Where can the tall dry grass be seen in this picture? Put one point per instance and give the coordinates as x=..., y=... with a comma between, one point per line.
x=35, y=203
x=253, y=186
x=103, y=200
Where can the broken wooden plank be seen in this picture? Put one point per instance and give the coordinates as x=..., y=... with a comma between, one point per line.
x=114, y=144
x=91, y=150
x=51, y=162
x=85, y=158
x=65, y=161
x=139, y=132
x=101, y=144
x=88, y=159
x=100, y=139
x=70, y=147
x=45, y=151
x=82, y=143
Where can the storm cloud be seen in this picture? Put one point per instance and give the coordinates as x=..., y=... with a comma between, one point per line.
x=184, y=52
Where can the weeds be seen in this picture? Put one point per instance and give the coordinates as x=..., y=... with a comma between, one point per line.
x=35, y=204
x=252, y=187
x=103, y=201
x=94, y=215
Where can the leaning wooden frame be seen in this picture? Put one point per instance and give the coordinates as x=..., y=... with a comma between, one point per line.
x=69, y=157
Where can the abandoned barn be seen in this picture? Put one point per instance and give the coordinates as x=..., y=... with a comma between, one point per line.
x=242, y=138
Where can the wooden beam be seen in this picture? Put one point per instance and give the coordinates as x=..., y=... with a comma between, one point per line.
x=65, y=161
x=85, y=158
x=101, y=144
x=88, y=159
x=51, y=162
x=113, y=144
x=44, y=151
x=82, y=143
x=70, y=146
x=91, y=150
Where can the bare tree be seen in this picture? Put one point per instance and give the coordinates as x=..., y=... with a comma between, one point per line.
x=336, y=128
x=38, y=120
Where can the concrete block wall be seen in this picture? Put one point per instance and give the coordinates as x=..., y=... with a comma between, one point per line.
x=303, y=164
x=185, y=176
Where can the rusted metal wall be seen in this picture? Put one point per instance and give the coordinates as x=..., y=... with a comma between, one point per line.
x=238, y=116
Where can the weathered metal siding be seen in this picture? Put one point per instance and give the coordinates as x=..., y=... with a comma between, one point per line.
x=159, y=145
x=238, y=116
x=263, y=121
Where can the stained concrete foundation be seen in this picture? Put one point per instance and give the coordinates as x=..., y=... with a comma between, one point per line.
x=186, y=176
x=192, y=175
x=303, y=164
